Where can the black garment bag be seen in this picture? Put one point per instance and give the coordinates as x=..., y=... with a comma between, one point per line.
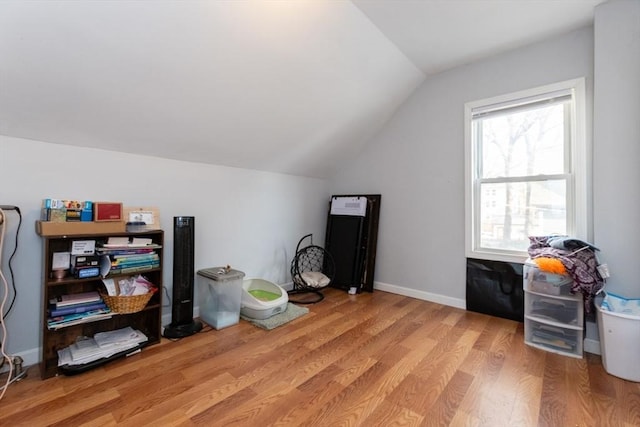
x=495, y=288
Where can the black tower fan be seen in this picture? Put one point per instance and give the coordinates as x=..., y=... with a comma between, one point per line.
x=182, y=323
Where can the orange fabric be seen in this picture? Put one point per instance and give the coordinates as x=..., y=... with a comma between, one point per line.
x=550, y=265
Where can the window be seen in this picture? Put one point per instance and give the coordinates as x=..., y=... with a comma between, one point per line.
x=526, y=170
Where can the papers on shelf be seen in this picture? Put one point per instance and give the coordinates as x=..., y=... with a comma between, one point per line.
x=139, y=241
x=124, y=242
x=102, y=345
x=118, y=337
x=118, y=241
x=110, y=286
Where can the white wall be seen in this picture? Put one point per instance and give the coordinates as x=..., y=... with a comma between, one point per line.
x=617, y=141
x=249, y=219
x=417, y=163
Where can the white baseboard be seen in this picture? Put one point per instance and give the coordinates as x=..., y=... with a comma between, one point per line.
x=426, y=296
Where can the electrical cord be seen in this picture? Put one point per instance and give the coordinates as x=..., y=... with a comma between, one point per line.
x=10, y=380
x=166, y=292
x=205, y=328
x=10, y=262
x=5, y=356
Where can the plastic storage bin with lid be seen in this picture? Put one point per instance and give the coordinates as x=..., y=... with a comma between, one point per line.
x=219, y=295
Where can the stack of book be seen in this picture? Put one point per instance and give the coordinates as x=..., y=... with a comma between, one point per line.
x=72, y=309
x=59, y=210
x=131, y=258
x=134, y=261
x=103, y=345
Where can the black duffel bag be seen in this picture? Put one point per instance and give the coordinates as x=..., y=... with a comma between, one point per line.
x=495, y=288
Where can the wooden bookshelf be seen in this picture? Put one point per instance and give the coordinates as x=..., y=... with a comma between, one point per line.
x=148, y=320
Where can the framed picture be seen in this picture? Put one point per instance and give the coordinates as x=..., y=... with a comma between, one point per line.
x=148, y=215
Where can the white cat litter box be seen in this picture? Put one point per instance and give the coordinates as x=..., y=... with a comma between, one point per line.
x=262, y=299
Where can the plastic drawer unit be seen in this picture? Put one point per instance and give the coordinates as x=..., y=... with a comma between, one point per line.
x=545, y=283
x=554, y=309
x=554, y=338
x=554, y=318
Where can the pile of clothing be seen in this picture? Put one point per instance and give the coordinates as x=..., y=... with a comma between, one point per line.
x=576, y=258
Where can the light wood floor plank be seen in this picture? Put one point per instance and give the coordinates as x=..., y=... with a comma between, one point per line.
x=388, y=415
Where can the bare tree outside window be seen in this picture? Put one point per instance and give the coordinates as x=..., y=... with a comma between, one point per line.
x=523, y=157
x=527, y=169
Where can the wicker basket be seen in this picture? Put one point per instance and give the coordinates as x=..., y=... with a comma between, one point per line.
x=124, y=304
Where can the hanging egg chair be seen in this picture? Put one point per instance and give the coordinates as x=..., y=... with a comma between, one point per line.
x=312, y=269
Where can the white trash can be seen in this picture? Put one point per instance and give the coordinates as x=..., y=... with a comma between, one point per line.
x=619, y=342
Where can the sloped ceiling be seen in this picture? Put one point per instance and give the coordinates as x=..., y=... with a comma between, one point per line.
x=288, y=86
x=441, y=34
x=284, y=86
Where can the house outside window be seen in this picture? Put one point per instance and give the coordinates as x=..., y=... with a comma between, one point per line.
x=526, y=169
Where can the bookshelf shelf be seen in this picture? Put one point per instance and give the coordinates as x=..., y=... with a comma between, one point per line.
x=147, y=320
x=67, y=281
x=71, y=280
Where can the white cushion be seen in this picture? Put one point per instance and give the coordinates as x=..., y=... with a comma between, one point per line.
x=314, y=279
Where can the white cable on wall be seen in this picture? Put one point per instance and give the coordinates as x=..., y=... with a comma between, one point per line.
x=8, y=358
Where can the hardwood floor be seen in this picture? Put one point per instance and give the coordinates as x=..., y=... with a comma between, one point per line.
x=372, y=359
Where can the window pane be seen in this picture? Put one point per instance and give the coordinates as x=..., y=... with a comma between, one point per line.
x=511, y=212
x=523, y=142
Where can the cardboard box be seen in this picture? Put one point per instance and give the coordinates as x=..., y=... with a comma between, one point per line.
x=47, y=228
x=107, y=211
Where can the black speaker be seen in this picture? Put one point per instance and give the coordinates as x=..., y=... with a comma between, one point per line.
x=182, y=323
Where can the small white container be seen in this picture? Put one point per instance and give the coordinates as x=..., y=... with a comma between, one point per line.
x=220, y=293
x=619, y=342
x=262, y=299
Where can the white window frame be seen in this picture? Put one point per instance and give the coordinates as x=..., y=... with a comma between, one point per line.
x=579, y=217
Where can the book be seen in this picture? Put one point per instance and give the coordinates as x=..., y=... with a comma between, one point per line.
x=145, y=255
x=105, y=251
x=134, y=269
x=131, y=263
x=75, y=319
x=76, y=309
x=75, y=316
x=108, y=246
x=74, y=299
